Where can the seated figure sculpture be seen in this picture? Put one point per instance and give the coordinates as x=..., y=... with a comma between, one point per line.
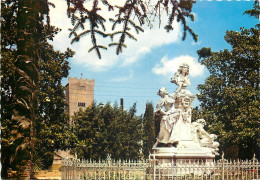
x=202, y=137
x=166, y=109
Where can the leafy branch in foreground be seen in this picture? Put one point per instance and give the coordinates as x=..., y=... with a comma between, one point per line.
x=181, y=10
x=130, y=7
x=95, y=20
x=132, y=10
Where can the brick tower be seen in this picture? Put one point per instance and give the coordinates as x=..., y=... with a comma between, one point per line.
x=79, y=94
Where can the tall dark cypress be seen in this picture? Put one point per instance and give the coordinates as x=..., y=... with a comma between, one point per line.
x=148, y=129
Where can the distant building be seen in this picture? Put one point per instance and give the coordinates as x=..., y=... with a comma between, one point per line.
x=79, y=94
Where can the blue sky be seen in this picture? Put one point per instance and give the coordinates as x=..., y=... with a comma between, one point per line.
x=148, y=64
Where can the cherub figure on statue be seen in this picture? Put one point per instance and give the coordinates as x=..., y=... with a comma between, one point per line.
x=166, y=109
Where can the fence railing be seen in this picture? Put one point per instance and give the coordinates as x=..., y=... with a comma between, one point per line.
x=146, y=169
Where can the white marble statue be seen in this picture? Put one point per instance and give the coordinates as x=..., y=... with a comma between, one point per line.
x=166, y=109
x=176, y=128
x=186, y=140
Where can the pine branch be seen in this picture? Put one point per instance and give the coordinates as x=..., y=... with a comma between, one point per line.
x=179, y=10
x=116, y=44
x=130, y=36
x=100, y=33
x=77, y=37
x=115, y=33
x=115, y=22
x=72, y=33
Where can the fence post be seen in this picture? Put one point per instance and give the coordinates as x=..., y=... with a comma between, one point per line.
x=74, y=169
x=154, y=170
x=223, y=166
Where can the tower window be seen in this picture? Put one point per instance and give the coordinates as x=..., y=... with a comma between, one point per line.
x=81, y=87
x=81, y=104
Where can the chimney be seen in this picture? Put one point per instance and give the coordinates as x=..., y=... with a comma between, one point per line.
x=122, y=103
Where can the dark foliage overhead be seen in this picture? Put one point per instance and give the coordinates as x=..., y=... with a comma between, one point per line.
x=133, y=14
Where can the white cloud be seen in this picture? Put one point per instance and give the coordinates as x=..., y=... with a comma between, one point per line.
x=58, y=18
x=150, y=39
x=135, y=50
x=168, y=67
x=124, y=78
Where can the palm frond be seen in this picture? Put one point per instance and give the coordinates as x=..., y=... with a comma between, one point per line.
x=112, y=20
x=23, y=121
x=23, y=146
x=37, y=161
x=51, y=4
x=90, y=49
x=100, y=20
x=25, y=88
x=137, y=28
x=98, y=52
x=23, y=103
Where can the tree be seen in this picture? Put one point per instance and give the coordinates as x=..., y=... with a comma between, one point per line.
x=47, y=122
x=53, y=131
x=24, y=19
x=90, y=130
x=51, y=127
x=230, y=96
x=128, y=131
x=148, y=129
x=133, y=14
x=107, y=130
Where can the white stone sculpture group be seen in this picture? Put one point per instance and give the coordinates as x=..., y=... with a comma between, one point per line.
x=176, y=128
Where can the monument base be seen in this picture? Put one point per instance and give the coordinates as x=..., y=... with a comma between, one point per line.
x=172, y=161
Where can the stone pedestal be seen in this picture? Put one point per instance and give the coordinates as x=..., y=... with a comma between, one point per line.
x=174, y=162
x=165, y=155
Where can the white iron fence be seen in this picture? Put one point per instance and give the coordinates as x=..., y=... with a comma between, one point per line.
x=109, y=169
